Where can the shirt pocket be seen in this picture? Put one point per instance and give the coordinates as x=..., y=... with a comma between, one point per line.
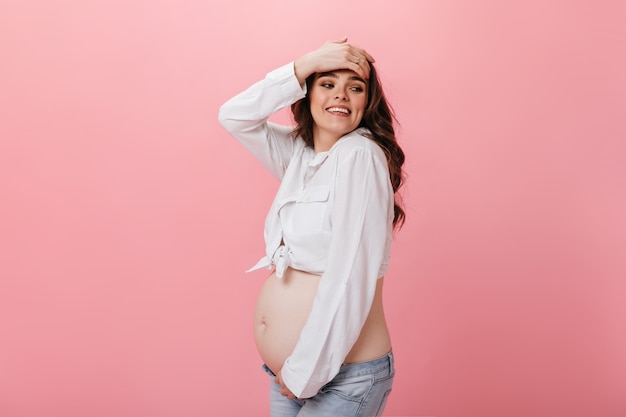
x=310, y=210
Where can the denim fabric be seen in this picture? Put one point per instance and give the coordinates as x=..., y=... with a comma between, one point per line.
x=359, y=390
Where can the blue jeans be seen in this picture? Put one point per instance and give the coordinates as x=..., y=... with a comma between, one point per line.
x=359, y=390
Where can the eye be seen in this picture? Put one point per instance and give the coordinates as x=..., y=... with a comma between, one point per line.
x=357, y=89
x=327, y=85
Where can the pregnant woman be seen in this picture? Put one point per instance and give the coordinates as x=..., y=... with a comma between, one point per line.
x=319, y=321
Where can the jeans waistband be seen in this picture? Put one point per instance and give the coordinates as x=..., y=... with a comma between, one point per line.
x=383, y=366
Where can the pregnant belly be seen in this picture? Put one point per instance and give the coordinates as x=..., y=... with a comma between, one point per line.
x=281, y=312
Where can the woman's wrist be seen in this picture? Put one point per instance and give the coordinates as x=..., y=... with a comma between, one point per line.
x=302, y=68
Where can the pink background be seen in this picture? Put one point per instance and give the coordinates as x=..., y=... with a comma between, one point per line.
x=128, y=215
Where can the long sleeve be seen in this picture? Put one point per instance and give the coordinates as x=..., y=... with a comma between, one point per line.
x=361, y=218
x=245, y=118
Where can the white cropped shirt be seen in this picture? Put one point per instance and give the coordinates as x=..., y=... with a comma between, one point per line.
x=333, y=214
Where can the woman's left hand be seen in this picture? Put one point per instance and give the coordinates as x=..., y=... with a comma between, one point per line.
x=284, y=391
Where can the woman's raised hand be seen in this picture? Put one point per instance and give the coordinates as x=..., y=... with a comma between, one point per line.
x=334, y=55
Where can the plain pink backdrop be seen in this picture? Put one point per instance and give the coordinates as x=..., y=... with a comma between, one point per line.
x=128, y=215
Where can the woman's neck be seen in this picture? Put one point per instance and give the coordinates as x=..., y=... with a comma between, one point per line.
x=323, y=141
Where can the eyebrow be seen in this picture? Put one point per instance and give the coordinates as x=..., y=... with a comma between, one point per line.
x=332, y=74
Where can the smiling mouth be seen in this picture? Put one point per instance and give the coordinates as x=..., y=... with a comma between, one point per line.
x=340, y=110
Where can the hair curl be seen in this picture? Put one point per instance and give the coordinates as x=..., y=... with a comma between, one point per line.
x=378, y=118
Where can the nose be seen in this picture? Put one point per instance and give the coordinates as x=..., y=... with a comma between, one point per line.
x=341, y=95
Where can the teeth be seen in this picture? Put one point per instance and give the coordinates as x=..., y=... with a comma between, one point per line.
x=339, y=109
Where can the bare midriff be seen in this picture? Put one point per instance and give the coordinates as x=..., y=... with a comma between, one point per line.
x=282, y=310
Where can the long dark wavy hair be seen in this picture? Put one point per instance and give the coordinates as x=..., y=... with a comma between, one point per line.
x=379, y=119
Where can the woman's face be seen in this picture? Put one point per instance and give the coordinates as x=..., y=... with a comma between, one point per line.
x=337, y=101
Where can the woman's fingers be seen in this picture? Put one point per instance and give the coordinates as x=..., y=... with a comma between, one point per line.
x=361, y=58
x=333, y=55
x=358, y=52
x=359, y=64
x=284, y=391
x=365, y=54
x=342, y=40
